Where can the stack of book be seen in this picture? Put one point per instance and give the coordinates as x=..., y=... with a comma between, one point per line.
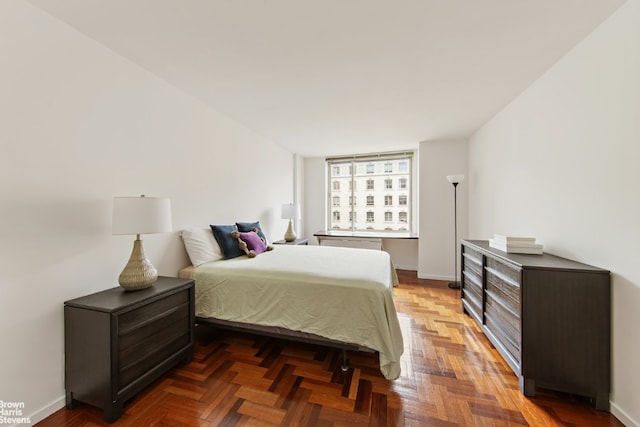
x=515, y=245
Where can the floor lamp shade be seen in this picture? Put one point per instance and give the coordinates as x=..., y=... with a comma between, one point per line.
x=140, y=215
x=455, y=180
x=290, y=211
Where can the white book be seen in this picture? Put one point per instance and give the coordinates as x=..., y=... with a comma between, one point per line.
x=522, y=248
x=513, y=239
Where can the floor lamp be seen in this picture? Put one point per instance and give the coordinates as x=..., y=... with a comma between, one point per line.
x=455, y=180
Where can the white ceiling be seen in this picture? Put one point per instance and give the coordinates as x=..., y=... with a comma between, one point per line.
x=331, y=77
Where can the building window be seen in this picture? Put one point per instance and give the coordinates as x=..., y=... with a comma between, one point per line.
x=370, y=185
x=336, y=215
x=382, y=181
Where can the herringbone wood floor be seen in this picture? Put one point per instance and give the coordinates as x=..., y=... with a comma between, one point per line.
x=451, y=376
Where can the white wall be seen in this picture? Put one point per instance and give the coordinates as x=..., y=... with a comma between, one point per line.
x=561, y=163
x=438, y=159
x=79, y=126
x=315, y=197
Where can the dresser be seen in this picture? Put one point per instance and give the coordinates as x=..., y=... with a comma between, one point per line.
x=117, y=342
x=548, y=317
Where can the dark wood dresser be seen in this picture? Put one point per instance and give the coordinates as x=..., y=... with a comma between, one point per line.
x=118, y=342
x=549, y=318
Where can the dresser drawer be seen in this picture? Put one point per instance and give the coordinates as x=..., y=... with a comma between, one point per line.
x=496, y=328
x=504, y=318
x=509, y=273
x=472, y=255
x=504, y=289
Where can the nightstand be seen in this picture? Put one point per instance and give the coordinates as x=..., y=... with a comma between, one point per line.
x=295, y=242
x=117, y=342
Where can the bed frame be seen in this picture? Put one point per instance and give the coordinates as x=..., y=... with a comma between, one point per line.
x=287, y=334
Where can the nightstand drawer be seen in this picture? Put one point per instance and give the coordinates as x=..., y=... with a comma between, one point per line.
x=147, y=314
x=153, y=335
x=140, y=363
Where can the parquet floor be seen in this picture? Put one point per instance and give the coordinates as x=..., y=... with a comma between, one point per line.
x=451, y=376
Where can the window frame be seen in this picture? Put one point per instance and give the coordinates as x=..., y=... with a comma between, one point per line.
x=360, y=167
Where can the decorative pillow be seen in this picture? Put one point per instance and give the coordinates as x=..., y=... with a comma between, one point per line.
x=228, y=244
x=201, y=246
x=253, y=241
x=245, y=227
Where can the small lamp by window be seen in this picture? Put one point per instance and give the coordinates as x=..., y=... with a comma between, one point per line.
x=290, y=211
x=140, y=215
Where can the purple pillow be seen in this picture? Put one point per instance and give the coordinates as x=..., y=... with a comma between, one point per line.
x=254, y=242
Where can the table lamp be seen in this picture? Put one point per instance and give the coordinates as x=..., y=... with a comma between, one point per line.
x=140, y=215
x=290, y=211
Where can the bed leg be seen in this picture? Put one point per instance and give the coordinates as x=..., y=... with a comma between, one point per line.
x=345, y=361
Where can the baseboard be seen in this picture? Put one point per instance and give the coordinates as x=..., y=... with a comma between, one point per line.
x=47, y=410
x=405, y=267
x=435, y=277
x=622, y=416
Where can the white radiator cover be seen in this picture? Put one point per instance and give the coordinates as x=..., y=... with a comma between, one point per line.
x=351, y=242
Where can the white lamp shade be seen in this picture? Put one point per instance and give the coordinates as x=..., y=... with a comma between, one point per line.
x=141, y=215
x=291, y=211
x=455, y=179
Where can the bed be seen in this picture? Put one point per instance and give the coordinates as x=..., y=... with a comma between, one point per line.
x=341, y=297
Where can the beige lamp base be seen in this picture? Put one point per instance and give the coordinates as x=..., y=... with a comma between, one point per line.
x=290, y=235
x=139, y=273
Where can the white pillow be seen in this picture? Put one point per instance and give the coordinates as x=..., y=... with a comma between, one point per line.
x=201, y=245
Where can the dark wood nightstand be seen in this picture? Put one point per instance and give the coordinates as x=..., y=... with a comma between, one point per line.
x=117, y=342
x=295, y=242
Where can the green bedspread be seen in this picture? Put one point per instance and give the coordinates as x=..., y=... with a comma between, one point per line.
x=339, y=293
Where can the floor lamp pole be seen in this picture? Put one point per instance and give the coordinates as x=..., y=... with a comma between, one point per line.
x=455, y=284
x=455, y=180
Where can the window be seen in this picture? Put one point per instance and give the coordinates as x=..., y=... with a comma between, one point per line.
x=336, y=215
x=383, y=182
